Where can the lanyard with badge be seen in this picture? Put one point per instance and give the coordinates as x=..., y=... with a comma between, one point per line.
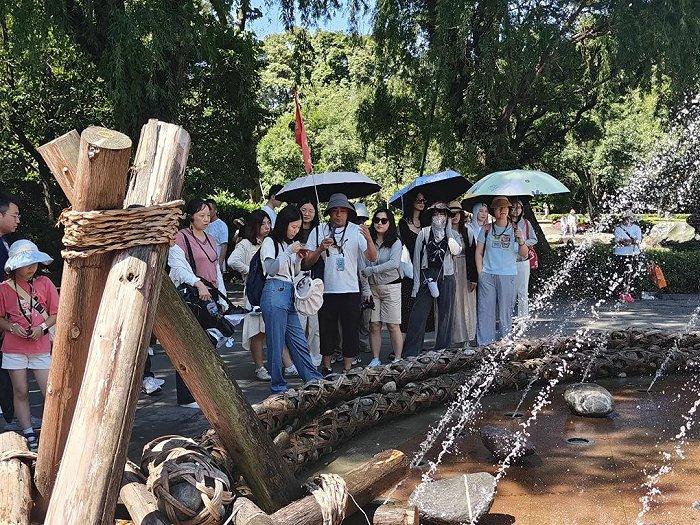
x=501, y=240
x=340, y=257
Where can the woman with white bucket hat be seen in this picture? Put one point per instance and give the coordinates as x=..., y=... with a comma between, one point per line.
x=28, y=307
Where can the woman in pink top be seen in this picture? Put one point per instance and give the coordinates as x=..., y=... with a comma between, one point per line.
x=28, y=307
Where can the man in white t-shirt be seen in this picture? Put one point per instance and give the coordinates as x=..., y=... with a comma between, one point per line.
x=627, y=248
x=219, y=231
x=272, y=203
x=342, y=245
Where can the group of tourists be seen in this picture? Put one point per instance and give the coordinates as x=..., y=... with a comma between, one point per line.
x=460, y=273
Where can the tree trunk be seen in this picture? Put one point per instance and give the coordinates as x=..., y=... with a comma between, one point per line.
x=364, y=483
x=270, y=478
x=99, y=181
x=15, y=482
x=104, y=413
x=392, y=514
x=542, y=243
x=138, y=500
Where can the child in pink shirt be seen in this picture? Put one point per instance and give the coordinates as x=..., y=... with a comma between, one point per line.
x=28, y=307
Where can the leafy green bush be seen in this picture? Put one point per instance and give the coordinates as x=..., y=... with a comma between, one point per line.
x=591, y=278
x=230, y=207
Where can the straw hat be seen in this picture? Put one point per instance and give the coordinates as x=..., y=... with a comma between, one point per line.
x=24, y=253
x=455, y=207
x=499, y=202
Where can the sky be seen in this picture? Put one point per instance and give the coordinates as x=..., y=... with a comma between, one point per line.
x=271, y=23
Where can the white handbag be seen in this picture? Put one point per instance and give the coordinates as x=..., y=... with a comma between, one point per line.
x=308, y=294
x=406, y=263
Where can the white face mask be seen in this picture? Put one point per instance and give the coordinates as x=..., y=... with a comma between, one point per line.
x=439, y=221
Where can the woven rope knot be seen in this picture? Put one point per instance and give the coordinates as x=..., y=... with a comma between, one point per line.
x=89, y=233
x=22, y=455
x=190, y=489
x=331, y=494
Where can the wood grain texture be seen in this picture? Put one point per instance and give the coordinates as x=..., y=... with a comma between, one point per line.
x=393, y=514
x=94, y=172
x=15, y=483
x=260, y=462
x=138, y=500
x=90, y=474
x=365, y=483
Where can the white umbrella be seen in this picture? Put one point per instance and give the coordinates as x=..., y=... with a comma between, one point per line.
x=513, y=183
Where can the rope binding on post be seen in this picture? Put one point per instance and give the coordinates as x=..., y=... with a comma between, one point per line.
x=96, y=232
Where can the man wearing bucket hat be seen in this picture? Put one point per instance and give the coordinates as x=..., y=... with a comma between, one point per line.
x=28, y=307
x=497, y=250
x=433, y=278
x=342, y=246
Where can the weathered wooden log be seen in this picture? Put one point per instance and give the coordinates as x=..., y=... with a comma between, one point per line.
x=270, y=475
x=94, y=174
x=138, y=500
x=364, y=483
x=246, y=512
x=223, y=403
x=105, y=409
x=15, y=481
x=396, y=514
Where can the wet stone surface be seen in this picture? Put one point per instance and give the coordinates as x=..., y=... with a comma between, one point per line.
x=589, y=399
x=446, y=501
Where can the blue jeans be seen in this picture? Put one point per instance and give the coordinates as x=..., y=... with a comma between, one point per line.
x=282, y=327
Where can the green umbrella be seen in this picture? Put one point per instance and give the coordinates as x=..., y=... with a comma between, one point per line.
x=513, y=183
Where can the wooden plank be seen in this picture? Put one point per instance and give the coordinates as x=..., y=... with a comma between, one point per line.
x=97, y=164
x=15, y=482
x=90, y=474
x=270, y=478
x=365, y=483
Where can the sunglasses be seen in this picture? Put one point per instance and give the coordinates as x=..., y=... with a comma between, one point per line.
x=380, y=220
x=419, y=201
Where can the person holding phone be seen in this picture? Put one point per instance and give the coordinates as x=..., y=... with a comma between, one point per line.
x=281, y=258
x=342, y=247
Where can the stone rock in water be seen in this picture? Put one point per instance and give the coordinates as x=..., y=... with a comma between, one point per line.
x=501, y=442
x=589, y=399
x=445, y=502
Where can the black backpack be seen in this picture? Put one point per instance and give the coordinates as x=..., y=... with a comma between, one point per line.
x=255, y=281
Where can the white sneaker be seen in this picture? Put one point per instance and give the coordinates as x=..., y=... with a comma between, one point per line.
x=151, y=351
x=151, y=386
x=160, y=382
x=262, y=374
x=291, y=371
x=194, y=404
x=374, y=362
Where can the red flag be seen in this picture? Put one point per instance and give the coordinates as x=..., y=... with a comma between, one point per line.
x=300, y=133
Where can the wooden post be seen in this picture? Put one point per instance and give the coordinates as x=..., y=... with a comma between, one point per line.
x=365, y=483
x=94, y=176
x=138, y=500
x=270, y=478
x=392, y=514
x=90, y=474
x=246, y=512
x=204, y=373
x=15, y=482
